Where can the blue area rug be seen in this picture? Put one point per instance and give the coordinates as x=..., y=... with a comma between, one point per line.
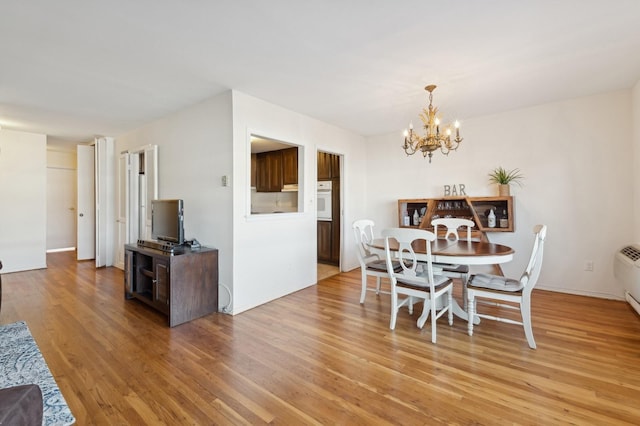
x=22, y=363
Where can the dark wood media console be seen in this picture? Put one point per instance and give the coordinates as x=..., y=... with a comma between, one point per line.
x=183, y=285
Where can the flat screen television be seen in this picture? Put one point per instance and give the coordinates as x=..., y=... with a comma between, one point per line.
x=167, y=221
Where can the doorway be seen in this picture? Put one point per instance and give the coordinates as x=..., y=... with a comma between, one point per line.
x=137, y=186
x=86, y=203
x=329, y=223
x=61, y=200
x=95, y=195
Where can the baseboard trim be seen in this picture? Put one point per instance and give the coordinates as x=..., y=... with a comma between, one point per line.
x=581, y=292
x=61, y=249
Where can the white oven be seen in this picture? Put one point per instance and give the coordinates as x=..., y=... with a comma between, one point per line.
x=324, y=200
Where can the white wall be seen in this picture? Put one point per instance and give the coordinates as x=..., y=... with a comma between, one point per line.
x=194, y=152
x=23, y=212
x=576, y=158
x=635, y=117
x=275, y=255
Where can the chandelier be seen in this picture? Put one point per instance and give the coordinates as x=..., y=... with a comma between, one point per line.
x=434, y=139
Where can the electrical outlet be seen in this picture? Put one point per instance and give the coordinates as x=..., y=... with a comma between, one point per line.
x=588, y=265
x=225, y=180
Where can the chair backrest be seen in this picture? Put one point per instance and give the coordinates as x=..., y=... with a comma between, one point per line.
x=452, y=224
x=412, y=271
x=363, y=232
x=530, y=275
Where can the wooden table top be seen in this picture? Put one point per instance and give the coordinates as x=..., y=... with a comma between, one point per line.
x=468, y=252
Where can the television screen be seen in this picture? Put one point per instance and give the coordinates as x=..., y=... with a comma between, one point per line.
x=166, y=221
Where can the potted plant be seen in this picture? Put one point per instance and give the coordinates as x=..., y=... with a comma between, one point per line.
x=504, y=178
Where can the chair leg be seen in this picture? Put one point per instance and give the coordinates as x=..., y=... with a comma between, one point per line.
x=465, y=279
x=394, y=310
x=363, y=293
x=525, y=311
x=433, y=319
x=377, y=285
x=450, y=305
x=470, y=312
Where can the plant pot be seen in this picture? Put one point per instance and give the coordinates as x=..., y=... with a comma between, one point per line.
x=504, y=190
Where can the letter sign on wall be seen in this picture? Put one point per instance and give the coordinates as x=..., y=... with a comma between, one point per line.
x=454, y=190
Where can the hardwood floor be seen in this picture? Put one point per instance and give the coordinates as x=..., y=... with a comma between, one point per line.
x=326, y=271
x=319, y=357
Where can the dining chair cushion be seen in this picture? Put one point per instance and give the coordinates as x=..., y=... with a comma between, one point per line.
x=381, y=265
x=496, y=282
x=438, y=280
x=461, y=269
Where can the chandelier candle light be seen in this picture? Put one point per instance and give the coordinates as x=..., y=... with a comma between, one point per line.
x=434, y=139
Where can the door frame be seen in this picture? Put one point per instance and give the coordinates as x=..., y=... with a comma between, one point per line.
x=138, y=185
x=341, y=198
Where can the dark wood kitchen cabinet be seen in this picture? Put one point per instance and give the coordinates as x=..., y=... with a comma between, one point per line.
x=183, y=285
x=324, y=166
x=324, y=241
x=335, y=165
x=254, y=170
x=272, y=169
x=290, y=166
x=328, y=166
x=269, y=171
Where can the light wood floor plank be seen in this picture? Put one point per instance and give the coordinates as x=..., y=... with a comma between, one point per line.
x=319, y=357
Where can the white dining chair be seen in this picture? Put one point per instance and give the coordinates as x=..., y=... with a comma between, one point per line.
x=494, y=289
x=416, y=279
x=371, y=264
x=452, y=225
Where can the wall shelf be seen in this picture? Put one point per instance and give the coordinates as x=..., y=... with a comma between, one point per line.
x=473, y=208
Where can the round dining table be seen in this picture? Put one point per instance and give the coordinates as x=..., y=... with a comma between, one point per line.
x=456, y=252
x=459, y=252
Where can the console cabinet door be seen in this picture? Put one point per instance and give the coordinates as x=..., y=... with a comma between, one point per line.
x=129, y=270
x=161, y=283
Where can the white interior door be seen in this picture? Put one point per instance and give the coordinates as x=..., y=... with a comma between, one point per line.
x=149, y=181
x=61, y=208
x=129, y=203
x=144, y=231
x=86, y=221
x=133, y=198
x=123, y=206
x=105, y=196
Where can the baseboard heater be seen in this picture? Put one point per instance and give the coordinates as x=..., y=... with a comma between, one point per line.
x=626, y=269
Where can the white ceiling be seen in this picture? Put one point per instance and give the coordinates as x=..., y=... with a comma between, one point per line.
x=75, y=69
